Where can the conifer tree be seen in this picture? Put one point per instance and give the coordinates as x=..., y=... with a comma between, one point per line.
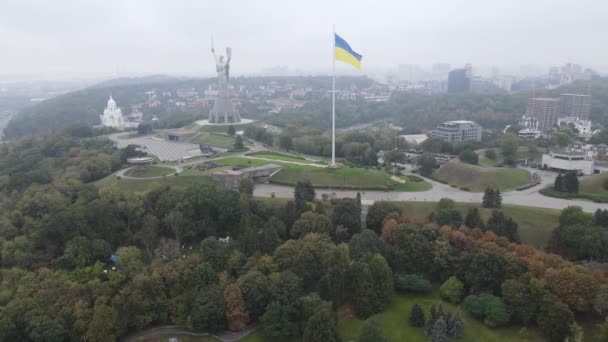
x=456, y=325
x=439, y=332
x=416, y=316
x=488, y=198
x=430, y=322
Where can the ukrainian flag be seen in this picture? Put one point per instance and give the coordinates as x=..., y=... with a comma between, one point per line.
x=344, y=53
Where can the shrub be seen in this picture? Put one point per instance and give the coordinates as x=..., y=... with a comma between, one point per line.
x=412, y=283
x=452, y=290
x=490, y=308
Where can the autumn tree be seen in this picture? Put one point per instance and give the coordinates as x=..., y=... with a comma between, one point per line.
x=236, y=313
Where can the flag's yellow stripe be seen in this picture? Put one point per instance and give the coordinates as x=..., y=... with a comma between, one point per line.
x=345, y=56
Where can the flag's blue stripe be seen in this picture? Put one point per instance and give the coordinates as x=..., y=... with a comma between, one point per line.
x=341, y=43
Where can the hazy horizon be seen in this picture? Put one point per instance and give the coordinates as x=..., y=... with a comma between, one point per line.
x=128, y=38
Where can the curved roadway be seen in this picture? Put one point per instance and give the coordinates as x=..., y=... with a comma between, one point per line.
x=530, y=197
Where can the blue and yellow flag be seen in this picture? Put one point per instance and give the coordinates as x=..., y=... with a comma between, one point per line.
x=344, y=53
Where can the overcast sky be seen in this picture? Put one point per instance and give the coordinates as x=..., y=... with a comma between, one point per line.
x=173, y=36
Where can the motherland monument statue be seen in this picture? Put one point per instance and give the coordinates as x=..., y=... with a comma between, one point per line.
x=223, y=110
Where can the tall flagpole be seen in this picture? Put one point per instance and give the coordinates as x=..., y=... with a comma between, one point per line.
x=333, y=103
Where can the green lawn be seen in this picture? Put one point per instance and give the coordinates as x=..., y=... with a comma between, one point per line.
x=535, y=224
x=396, y=328
x=152, y=171
x=594, y=184
x=183, y=181
x=321, y=177
x=590, y=187
x=215, y=140
x=476, y=178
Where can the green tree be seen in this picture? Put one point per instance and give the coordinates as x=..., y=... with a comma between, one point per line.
x=490, y=154
x=257, y=292
x=347, y=212
x=473, y=219
x=456, y=326
x=490, y=308
x=575, y=215
x=554, y=318
x=231, y=130
x=304, y=193
x=238, y=143
x=491, y=198
x=279, y=320
x=570, y=182
x=558, y=184
x=452, y=290
x=366, y=244
x=508, y=148
x=337, y=273
x=285, y=142
x=310, y=222
x=503, y=226
x=519, y=300
x=439, y=333
x=208, y=310
x=377, y=212
x=563, y=139
x=371, y=331
x=469, y=157
x=426, y=164
x=103, y=324
x=383, y=284
x=322, y=326
x=363, y=290
x=416, y=318
x=246, y=187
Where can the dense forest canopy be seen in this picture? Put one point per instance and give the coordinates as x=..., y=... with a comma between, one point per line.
x=78, y=261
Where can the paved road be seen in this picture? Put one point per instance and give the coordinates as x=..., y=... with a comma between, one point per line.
x=530, y=197
x=226, y=336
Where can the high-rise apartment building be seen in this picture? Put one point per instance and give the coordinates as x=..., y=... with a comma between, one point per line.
x=543, y=109
x=575, y=105
x=459, y=81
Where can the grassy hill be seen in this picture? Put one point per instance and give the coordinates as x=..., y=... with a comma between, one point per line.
x=591, y=188
x=321, y=177
x=535, y=224
x=476, y=178
x=224, y=141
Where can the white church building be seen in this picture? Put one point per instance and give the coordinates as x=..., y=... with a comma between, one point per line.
x=112, y=116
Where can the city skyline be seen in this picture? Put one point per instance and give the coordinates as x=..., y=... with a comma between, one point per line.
x=136, y=37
